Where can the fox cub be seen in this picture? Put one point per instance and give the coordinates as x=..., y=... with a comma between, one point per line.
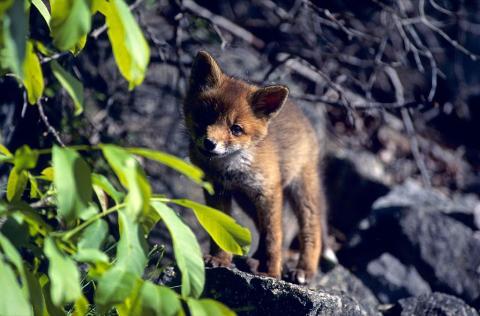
x=258, y=148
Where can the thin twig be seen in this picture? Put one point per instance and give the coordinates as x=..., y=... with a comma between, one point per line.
x=50, y=128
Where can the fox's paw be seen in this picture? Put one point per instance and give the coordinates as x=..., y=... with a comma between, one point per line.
x=299, y=276
x=217, y=261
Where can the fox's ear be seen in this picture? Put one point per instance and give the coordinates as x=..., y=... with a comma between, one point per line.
x=206, y=73
x=269, y=100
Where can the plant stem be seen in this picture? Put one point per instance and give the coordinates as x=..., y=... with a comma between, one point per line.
x=69, y=234
x=75, y=147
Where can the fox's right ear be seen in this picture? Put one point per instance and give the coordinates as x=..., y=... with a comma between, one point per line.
x=205, y=73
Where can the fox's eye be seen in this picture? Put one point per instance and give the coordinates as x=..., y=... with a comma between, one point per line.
x=236, y=130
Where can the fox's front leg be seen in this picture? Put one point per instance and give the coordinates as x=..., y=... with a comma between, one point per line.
x=269, y=223
x=220, y=200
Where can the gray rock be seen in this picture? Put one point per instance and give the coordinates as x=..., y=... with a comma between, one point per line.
x=416, y=225
x=353, y=184
x=341, y=279
x=434, y=304
x=391, y=280
x=465, y=208
x=448, y=251
x=255, y=295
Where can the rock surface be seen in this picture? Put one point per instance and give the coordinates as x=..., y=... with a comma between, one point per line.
x=416, y=226
x=432, y=304
x=340, y=279
x=255, y=295
x=391, y=280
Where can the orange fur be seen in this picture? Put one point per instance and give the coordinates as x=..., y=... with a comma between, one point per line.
x=275, y=156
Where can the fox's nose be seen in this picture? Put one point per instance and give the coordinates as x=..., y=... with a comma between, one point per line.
x=208, y=144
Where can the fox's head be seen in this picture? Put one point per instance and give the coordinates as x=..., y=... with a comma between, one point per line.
x=225, y=115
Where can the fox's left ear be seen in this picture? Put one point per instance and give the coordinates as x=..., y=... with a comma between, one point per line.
x=269, y=100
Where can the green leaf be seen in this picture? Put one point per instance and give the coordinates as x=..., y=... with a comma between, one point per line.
x=130, y=48
x=91, y=255
x=102, y=182
x=154, y=300
x=70, y=22
x=118, y=282
x=52, y=310
x=73, y=182
x=81, y=306
x=71, y=84
x=33, y=75
x=37, y=300
x=194, y=173
x=13, y=36
x=132, y=177
x=94, y=235
x=24, y=213
x=188, y=255
x=34, y=190
x=43, y=10
x=114, y=287
x=17, y=181
x=5, y=151
x=4, y=6
x=223, y=229
x=47, y=173
x=63, y=274
x=207, y=307
x=13, y=300
x=14, y=257
x=25, y=158
x=79, y=46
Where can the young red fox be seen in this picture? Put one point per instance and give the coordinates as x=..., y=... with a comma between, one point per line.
x=257, y=147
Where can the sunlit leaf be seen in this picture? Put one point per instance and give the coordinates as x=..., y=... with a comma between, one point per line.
x=33, y=75
x=47, y=173
x=94, y=235
x=73, y=182
x=43, y=10
x=223, y=229
x=34, y=190
x=13, y=300
x=102, y=182
x=25, y=158
x=130, y=48
x=189, y=170
x=187, y=251
x=81, y=306
x=71, y=84
x=8, y=249
x=70, y=22
x=132, y=177
x=207, y=307
x=63, y=274
x=17, y=181
x=5, y=151
x=79, y=46
x=90, y=255
x=118, y=282
x=154, y=300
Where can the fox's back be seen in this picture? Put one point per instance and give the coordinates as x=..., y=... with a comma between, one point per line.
x=291, y=141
